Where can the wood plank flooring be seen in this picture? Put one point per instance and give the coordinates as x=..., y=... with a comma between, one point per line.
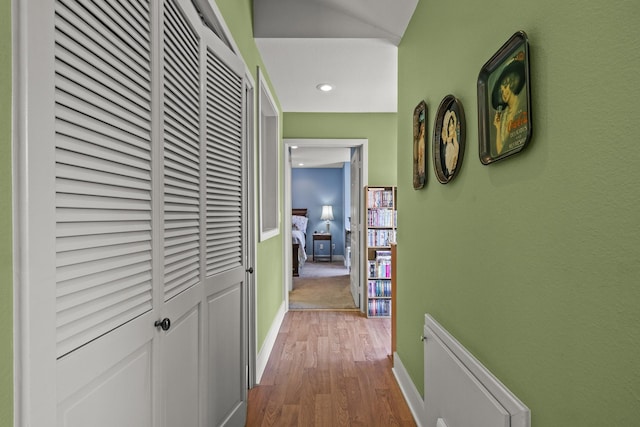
x=329, y=368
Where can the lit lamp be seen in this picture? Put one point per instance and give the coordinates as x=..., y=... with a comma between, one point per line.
x=327, y=215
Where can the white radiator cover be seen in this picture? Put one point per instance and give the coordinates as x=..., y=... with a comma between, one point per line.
x=459, y=391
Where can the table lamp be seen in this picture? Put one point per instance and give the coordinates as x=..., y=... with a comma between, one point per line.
x=327, y=215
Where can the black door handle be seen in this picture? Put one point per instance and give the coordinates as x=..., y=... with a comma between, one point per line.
x=249, y=270
x=163, y=324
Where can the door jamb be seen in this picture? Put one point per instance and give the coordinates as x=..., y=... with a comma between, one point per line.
x=361, y=143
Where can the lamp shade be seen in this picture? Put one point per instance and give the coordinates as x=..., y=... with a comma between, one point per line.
x=327, y=213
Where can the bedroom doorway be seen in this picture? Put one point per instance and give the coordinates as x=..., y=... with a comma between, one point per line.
x=351, y=230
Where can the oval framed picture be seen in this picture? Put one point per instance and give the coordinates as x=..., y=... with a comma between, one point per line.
x=449, y=133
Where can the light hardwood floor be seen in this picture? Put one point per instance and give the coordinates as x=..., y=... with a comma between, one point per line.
x=329, y=368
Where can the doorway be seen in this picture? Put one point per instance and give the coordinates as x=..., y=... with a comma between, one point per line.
x=359, y=175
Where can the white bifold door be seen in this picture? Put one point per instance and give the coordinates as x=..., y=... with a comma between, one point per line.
x=132, y=207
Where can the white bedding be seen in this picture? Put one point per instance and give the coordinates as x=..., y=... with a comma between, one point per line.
x=299, y=237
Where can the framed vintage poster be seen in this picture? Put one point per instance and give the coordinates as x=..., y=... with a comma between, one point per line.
x=504, y=101
x=449, y=131
x=419, y=148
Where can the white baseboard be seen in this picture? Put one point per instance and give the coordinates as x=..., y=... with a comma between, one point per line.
x=409, y=390
x=269, y=342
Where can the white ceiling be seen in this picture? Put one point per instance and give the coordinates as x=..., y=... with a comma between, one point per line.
x=351, y=44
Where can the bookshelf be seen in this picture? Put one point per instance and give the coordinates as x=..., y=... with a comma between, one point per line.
x=381, y=224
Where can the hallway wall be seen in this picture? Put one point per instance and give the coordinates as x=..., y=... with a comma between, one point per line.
x=532, y=262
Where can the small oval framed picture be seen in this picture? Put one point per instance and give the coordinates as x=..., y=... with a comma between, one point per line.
x=449, y=132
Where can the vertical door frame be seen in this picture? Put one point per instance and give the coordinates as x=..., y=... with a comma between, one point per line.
x=363, y=145
x=33, y=240
x=251, y=235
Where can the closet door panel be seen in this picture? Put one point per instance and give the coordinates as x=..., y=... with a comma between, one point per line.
x=103, y=171
x=225, y=286
x=181, y=145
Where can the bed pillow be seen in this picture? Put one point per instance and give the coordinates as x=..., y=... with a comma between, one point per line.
x=299, y=223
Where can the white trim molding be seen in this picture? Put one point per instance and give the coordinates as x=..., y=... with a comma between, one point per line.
x=409, y=390
x=269, y=342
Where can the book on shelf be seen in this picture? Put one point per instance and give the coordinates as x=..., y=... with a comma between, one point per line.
x=380, y=237
x=379, y=198
x=383, y=254
x=380, y=268
x=379, y=289
x=381, y=218
x=379, y=307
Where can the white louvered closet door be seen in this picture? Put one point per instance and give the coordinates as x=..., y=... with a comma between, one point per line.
x=225, y=287
x=182, y=296
x=140, y=149
x=104, y=212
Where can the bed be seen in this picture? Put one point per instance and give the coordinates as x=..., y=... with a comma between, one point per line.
x=299, y=239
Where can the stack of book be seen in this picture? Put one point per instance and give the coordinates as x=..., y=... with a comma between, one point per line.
x=380, y=198
x=381, y=218
x=380, y=237
x=381, y=266
x=379, y=307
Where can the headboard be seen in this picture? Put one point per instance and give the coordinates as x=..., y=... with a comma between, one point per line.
x=299, y=212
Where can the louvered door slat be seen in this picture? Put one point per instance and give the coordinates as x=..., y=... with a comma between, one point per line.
x=96, y=176
x=103, y=164
x=104, y=283
x=181, y=152
x=224, y=166
x=127, y=100
x=72, y=243
x=132, y=33
x=70, y=186
x=102, y=81
x=89, y=20
x=122, y=262
x=100, y=228
x=91, y=44
x=102, y=109
x=132, y=157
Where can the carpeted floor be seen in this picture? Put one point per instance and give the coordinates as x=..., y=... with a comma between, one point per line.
x=322, y=285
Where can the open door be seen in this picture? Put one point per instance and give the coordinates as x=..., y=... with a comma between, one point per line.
x=356, y=198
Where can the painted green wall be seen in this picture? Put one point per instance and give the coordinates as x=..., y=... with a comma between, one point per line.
x=6, y=270
x=379, y=128
x=533, y=263
x=269, y=257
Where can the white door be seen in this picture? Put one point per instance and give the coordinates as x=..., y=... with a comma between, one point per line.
x=226, y=199
x=131, y=263
x=356, y=197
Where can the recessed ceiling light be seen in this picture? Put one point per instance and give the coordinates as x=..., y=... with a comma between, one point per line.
x=324, y=87
x=300, y=164
x=293, y=147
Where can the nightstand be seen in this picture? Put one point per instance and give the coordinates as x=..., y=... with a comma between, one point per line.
x=321, y=237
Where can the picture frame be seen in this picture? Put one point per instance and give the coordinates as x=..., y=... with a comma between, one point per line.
x=449, y=134
x=504, y=101
x=419, y=145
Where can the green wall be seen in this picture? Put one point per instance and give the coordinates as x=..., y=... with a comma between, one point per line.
x=379, y=128
x=532, y=263
x=6, y=280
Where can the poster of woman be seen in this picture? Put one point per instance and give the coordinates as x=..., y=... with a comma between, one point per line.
x=448, y=139
x=419, y=132
x=504, y=101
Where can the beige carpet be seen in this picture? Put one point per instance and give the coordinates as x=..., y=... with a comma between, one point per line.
x=322, y=285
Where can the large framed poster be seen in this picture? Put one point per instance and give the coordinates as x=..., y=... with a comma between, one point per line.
x=504, y=101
